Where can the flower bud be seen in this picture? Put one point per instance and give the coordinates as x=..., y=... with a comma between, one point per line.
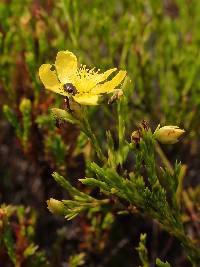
x=168, y=134
x=25, y=105
x=55, y=206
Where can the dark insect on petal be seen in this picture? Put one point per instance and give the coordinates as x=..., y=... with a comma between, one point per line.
x=70, y=88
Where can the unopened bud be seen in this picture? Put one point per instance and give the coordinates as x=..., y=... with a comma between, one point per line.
x=55, y=206
x=168, y=134
x=25, y=105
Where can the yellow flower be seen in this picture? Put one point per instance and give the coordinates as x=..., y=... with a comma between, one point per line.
x=168, y=134
x=84, y=85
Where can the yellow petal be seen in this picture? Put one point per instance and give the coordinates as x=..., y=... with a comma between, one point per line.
x=86, y=99
x=109, y=86
x=88, y=79
x=66, y=66
x=105, y=75
x=49, y=79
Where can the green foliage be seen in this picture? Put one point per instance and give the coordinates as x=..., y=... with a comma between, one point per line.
x=81, y=201
x=145, y=192
x=142, y=250
x=158, y=44
x=22, y=129
x=12, y=118
x=17, y=233
x=9, y=244
x=160, y=263
x=143, y=254
x=55, y=144
x=76, y=260
x=25, y=108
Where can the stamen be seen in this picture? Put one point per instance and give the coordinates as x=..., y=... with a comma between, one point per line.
x=86, y=79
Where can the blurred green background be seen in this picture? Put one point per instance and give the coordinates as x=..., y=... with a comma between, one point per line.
x=158, y=43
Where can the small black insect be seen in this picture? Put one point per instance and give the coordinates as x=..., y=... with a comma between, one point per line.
x=70, y=88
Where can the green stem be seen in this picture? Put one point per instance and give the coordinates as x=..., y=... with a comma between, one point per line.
x=121, y=125
x=164, y=158
x=121, y=110
x=88, y=131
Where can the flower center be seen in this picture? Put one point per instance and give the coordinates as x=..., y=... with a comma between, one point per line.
x=86, y=79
